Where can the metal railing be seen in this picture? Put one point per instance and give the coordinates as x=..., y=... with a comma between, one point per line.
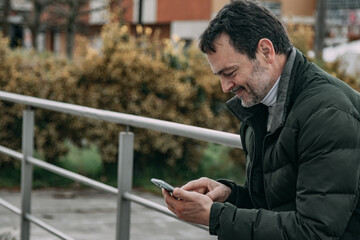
x=125, y=159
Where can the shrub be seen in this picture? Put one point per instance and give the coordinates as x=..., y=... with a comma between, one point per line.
x=217, y=163
x=301, y=36
x=36, y=75
x=130, y=75
x=153, y=79
x=85, y=160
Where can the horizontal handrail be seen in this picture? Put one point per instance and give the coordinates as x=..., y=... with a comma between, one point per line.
x=60, y=171
x=9, y=206
x=204, y=134
x=47, y=227
x=89, y=182
x=11, y=153
x=207, y=135
x=71, y=175
x=35, y=220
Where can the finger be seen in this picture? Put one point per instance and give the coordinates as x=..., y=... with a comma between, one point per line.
x=171, y=202
x=193, y=184
x=212, y=194
x=219, y=193
x=165, y=193
x=184, y=195
x=198, y=185
x=194, y=188
x=169, y=198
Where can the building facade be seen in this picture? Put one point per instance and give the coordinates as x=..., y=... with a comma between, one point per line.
x=188, y=18
x=185, y=19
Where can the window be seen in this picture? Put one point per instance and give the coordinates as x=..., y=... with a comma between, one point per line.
x=274, y=7
x=343, y=4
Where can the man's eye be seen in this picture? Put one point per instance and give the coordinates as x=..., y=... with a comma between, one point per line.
x=230, y=74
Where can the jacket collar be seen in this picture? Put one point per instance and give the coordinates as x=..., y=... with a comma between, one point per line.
x=284, y=93
x=282, y=103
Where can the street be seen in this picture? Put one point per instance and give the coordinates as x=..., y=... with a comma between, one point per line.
x=91, y=215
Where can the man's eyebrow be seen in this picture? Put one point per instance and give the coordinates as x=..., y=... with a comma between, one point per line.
x=234, y=67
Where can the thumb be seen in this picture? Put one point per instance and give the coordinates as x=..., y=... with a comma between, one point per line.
x=212, y=195
x=215, y=194
x=184, y=195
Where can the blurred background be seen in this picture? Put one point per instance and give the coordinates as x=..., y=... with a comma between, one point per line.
x=140, y=57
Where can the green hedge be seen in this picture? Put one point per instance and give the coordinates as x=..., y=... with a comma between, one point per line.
x=151, y=78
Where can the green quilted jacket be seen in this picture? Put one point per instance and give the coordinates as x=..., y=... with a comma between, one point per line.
x=303, y=176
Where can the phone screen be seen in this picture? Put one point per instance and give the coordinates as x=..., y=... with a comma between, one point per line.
x=163, y=184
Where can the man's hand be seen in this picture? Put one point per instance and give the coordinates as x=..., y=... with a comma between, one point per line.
x=218, y=192
x=193, y=201
x=189, y=206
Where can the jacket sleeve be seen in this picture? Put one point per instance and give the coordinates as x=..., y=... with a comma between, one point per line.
x=239, y=194
x=327, y=189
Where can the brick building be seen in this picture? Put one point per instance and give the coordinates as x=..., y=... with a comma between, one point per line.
x=188, y=18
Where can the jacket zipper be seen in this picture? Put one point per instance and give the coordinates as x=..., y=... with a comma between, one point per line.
x=262, y=162
x=262, y=159
x=250, y=170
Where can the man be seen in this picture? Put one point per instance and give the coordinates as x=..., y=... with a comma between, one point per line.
x=300, y=133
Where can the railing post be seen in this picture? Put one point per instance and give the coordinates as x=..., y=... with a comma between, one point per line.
x=125, y=173
x=26, y=171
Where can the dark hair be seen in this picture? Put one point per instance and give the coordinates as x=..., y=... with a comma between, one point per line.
x=245, y=22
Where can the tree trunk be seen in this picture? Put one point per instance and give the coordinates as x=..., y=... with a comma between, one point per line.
x=35, y=23
x=70, y=36
x=71, y=28
x=5, y=24
x=320, y=27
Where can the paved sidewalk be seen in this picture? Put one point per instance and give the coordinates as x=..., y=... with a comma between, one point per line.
x=91, y=215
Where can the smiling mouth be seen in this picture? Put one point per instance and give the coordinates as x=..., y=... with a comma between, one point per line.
x=235, y=90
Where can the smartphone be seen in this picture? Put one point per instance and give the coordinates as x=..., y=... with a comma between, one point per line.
x=163, y=184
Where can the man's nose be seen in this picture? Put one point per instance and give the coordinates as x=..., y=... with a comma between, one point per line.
x=226, y=85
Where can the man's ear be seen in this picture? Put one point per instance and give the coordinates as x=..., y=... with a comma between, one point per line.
x=266, y=50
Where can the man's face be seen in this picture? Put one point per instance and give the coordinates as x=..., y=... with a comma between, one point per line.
x=248, y=79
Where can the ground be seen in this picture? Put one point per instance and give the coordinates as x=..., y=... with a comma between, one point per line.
x=91, y=215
